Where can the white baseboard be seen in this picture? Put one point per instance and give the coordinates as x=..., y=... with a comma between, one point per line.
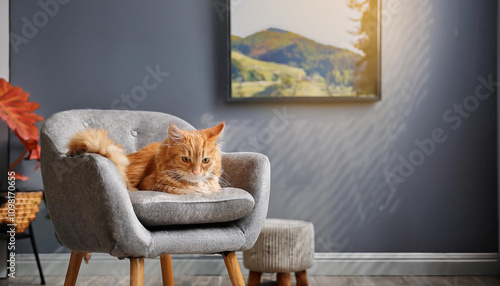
x=55, y=264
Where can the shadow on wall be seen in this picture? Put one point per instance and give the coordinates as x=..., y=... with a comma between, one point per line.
x=335, y=168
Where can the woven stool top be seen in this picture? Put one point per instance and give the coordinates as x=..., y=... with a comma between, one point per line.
x=272, y=223
x=283, y=246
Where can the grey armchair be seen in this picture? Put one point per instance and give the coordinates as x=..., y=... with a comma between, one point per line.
x=92, y=211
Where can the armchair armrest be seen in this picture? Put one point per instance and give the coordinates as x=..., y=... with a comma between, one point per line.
x=250, y=172
x=89, y=204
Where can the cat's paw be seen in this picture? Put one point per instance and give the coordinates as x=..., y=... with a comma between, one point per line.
x=164, y=188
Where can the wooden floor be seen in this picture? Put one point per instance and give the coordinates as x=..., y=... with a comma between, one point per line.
x=270, y=280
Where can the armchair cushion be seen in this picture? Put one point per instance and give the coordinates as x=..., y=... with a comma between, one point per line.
x=160, y=209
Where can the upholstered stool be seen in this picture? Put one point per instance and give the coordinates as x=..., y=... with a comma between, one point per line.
x=283, y=246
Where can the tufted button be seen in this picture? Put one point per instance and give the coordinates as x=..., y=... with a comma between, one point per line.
x=133, y=133
x=85, y=124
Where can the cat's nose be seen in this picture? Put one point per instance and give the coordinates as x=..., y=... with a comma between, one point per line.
x=197, y=171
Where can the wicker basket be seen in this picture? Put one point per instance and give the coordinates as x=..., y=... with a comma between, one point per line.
x=27, y=206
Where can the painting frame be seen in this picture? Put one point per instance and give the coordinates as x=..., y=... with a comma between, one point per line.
x=376, y=96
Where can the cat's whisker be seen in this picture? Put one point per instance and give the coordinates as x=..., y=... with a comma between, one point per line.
x=224, y=183
x=223, y=177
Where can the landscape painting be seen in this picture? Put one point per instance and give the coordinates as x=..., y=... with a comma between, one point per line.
x=304, y=49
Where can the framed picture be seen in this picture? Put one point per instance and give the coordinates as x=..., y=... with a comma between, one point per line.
x=304, y=50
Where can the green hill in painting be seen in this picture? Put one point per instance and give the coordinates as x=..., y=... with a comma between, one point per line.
x=256, y=78
x=283, y=47
x=246, y=68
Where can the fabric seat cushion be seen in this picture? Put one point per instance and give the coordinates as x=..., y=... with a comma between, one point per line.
x=157, y=208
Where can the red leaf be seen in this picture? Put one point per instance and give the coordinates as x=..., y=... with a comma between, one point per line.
x=20, y=177
x=16, y=110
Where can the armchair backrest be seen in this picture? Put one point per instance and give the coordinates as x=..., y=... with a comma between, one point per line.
x=132, y=129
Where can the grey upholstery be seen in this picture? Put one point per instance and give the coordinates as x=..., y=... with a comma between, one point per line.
x=90, y=206
x=157, y=209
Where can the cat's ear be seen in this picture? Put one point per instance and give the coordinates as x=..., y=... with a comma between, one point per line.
x=175, y=133
x=214, y=132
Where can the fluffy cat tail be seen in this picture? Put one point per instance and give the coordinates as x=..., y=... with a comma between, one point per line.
x=98, y=142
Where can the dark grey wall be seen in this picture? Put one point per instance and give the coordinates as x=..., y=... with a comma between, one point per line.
x=335, y=164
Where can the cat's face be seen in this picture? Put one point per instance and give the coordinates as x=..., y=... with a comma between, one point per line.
x=193, y=156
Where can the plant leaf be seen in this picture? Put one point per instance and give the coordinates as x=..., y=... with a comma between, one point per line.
x=20, y=177
x=17, y=112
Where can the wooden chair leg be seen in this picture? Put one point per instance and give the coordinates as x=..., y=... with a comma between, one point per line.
x=301, y=278
x=254, y=278
x=136, y=271
x=166, y=270
x=283, y=279
x=73, y=268
x=233, y=268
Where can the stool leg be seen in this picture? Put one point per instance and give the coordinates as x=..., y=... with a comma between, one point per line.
x=301, y=278
x=283, y=279
x=254, y=278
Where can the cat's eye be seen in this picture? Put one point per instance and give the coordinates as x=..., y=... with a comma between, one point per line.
x=205, y=160
x=185, y=159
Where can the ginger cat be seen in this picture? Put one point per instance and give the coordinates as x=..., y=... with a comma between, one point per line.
x=187, y=162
